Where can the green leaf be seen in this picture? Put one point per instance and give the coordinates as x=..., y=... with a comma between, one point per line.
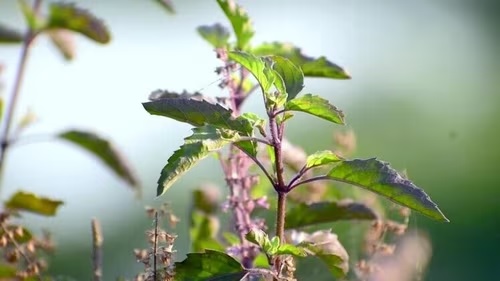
x=292, y=76
x=10, y=35
x=242, y=26
x=104, y=150
x=261, y=239
x=326, y=246
x=211, y=265
x=29, y=16
x=24, y=201
x=231, y=238
x=204, y=141
x=379, y=177
x=68, y=16
x=321, y=158
x=322, y=212
x=198, y=113
x=167, y=5
x=217, y=35
x=7, y=271
x=289, y=249
x=257, y=66
x=203, y=232
x=312, y=67
x=206, y=200
x=21, y=234
x=316, y=106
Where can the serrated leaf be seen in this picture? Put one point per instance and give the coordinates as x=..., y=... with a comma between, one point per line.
x=257, y=66
x=68, y=16
x=104, y=151
x=203, y=232
x=64, y=41
x=7, y=271
x=321, y=158
x=21, y=234
x=242, y=26
x=322, y=212
x=161, y=94
x=292, y=76
x=216, y=34
x=289, y=249
x=312, y=67
x=24, y=201
x=211, y=265
x=10, y=35
x=326, y=246
x=204, y=141
x=198, y=113
x=261, y=239
x=167, y=5
x=379, y=177
x=316, y=106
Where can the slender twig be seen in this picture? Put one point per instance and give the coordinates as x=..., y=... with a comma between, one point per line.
x=260, y=165
x=97, y=240
x=30, y=139
x=317, y=178
x=278, y=112
x=14, y=96
x=28, y=260
x=297, y=177
x=155, y=246
x=264, y=141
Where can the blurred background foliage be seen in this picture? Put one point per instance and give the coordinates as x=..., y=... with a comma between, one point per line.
x=425, y=96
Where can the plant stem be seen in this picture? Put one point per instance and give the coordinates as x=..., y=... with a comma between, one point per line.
x=96, y=250
x=14, y=96
x=280, y=216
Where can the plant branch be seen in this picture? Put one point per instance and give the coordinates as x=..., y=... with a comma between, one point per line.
x=14, y=96
x=264, y=141
x=317, y=178
x=261, y=166
x=155, y=246
x=97, y=239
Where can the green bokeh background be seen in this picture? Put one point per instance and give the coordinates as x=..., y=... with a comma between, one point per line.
x=424, y=96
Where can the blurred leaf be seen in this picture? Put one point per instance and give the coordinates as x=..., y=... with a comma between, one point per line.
x=160, y=94
x=29, y=16
x=231, y=238
x=204, y=140
x=167, y=5
x=103, y=150
x=206, y=200
x=7, y=271
x=291, y=74
x=68, y=16
x=203, y=232
x=217, y=35
x=24, y=201
x=379, y=177
x=288, y=249
x=64, y=41
x=312, y=67
x=242, y=26
x=10, y=35
x=256, y=66
x=321, y=158
x=211, y=265
x=198, y=113
x=21, y=234
x=322, y=212
x=326, y=246
x=261, y=239
x=316, y=106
